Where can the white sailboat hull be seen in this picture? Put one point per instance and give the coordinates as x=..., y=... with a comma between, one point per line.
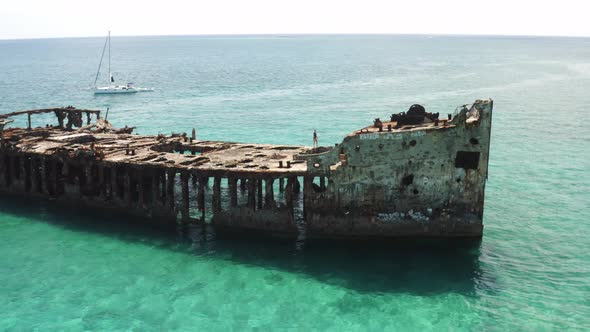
x=114, y=90
x=119, y=90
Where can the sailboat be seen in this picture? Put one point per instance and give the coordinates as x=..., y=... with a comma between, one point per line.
x=113, y=88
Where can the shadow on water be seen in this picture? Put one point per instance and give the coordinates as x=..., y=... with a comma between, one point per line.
x=422, y=267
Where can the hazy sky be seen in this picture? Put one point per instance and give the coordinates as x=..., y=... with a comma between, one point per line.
x=61, y=18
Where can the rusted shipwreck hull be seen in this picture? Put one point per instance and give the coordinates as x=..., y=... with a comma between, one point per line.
x=399, y=178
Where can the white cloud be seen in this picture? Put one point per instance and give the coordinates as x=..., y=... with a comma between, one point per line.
x=64, y=18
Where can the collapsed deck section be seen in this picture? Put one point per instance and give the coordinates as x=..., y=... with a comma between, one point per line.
x=388, y=179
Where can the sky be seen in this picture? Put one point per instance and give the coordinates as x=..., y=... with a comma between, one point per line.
x=65, y=18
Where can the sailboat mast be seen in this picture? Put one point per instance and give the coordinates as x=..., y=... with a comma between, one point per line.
x=110, y=74
x=100, y=63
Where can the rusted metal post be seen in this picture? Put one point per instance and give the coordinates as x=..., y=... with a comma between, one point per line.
x=140, y=189
x=52, y=183
x=269, y=198
x=185, y=201
x=100, y=183
x=162, y=175
x=23, y=172
x=65, y=171
x=15, y=166
x=155, y=189
x=296, y=186
x=33, y=174
x=8, y=176
x=216, y=194
x=289, y=191
x=307, y=185
x=201, y=193
x=307, y=192
x=170, y=189
x=252, y=193
x=233, y=191
x=259, y=192
x=281, y=184
x=127, y=187
x=43, y=176
x=114, y=187
x=88, y=189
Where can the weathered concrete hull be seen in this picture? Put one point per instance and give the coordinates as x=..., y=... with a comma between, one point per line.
x=405, y=181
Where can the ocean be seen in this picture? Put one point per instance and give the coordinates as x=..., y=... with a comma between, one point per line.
x=72, y=270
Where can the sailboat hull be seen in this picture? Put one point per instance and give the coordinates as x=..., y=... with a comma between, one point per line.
x=115, y=90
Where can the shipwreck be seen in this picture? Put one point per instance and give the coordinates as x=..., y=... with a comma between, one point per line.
x=416, y=174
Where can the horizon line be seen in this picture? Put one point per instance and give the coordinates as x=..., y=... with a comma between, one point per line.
x=309, y=34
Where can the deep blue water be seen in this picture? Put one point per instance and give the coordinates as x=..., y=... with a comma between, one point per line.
x=531, y=271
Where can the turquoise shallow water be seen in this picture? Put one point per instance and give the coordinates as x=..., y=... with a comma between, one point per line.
x=531, y=271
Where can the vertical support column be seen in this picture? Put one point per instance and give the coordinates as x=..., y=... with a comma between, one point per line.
x=17, y=171
x=162, y=175
x=101, y=185
x=88, y=186
x=155, y=186
x=25, y=174
x=170, y=189
x=259, y=193
x=43, y=176
x=15, y=167
x=65, y=175
x=8, y=175
x=322, y=183
x=296, y=185
x=29, y=121
x=233, y=191
x=289, y=191
x=140, y=189
x=281, y=185
x=243, y=184
x=269, y=198
x=252, y=193
x=307, y=193
x=216, y=194
x=201, y=193
x=34, y=175
x=185, y=202
x=6, y=169
x=114, y=187
x=307, y=186
x=53, y=178
x=127, y=187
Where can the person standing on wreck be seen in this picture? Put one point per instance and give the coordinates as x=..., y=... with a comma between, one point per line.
x=315, y=139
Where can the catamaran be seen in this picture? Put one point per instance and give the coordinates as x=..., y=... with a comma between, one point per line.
x=112, y=88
